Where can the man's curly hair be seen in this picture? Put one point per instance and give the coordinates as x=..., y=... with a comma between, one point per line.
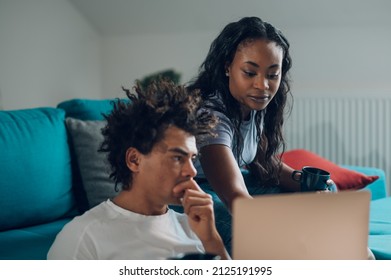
x=141, y=121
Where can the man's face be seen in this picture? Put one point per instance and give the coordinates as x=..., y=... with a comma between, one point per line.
x=169, y=163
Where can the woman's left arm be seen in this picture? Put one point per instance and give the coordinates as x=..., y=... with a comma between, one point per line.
x=286, y=181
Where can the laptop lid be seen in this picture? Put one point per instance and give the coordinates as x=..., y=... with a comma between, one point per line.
x=301, y=226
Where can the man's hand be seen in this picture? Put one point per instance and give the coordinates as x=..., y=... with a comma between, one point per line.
x=198, y=206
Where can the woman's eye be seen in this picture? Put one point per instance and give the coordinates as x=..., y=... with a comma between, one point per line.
x=249, y=73
x=274, y=76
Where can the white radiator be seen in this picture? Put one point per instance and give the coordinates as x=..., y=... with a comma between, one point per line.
x=354, y=131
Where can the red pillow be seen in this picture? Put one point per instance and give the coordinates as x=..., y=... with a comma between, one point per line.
x=344, y=178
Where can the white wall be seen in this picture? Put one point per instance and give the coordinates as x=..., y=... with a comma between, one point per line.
x=332, y=55
x=350, y=61
x=127, y=58
x=48, y=53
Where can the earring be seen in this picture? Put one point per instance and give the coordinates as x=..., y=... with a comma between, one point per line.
x=226, y=74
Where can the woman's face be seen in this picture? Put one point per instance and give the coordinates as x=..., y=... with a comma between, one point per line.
x=255, y=74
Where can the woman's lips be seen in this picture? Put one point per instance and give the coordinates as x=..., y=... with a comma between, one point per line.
x=260, y=99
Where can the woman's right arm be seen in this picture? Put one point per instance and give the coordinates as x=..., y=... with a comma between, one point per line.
x=223, y=174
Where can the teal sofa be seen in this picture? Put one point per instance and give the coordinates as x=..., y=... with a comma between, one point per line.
x=45, y=181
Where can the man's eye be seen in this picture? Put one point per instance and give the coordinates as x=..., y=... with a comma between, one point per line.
x=177, y=158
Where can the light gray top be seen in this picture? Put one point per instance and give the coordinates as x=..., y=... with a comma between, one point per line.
x=225, y=132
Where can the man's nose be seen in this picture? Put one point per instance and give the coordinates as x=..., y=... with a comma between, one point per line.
x=189, y=170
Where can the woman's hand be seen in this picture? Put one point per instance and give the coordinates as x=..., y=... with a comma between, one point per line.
x=332, y=187
x=287, y=183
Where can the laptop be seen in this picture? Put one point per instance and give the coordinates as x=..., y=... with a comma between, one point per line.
x=301, y=226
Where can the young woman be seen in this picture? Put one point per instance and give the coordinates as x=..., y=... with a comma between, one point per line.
x=244, y=80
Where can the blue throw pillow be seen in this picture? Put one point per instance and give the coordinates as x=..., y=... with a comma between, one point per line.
x=35, y=167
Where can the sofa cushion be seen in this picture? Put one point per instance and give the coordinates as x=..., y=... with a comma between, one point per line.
x=93, y=166
x=30, y=243
x=344, y=178
x=35, y=167
x=380, y=228
x=378, y=188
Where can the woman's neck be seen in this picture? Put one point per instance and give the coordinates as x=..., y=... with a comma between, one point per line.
x=246, y=113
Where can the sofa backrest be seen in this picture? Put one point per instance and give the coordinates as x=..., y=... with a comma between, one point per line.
x=87, y=109
x=35, y=167
x=91, y=171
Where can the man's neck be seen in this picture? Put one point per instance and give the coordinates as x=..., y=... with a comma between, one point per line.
x=138, y=203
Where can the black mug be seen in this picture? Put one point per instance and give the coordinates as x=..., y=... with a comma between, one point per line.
x=313, y=179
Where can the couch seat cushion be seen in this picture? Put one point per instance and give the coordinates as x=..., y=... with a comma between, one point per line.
x=380, y=228
x=30, y=243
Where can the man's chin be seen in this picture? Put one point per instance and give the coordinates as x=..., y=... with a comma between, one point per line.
x=175, y=201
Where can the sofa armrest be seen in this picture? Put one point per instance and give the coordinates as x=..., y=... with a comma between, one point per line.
x=378, y=188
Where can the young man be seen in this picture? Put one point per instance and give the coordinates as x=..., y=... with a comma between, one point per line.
x=151, y=145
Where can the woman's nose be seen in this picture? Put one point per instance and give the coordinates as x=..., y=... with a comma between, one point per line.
x=261, y=83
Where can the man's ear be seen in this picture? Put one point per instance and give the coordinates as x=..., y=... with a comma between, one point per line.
x=132, y=159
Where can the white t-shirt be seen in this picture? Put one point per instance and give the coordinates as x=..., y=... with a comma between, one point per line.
x=111, y=232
